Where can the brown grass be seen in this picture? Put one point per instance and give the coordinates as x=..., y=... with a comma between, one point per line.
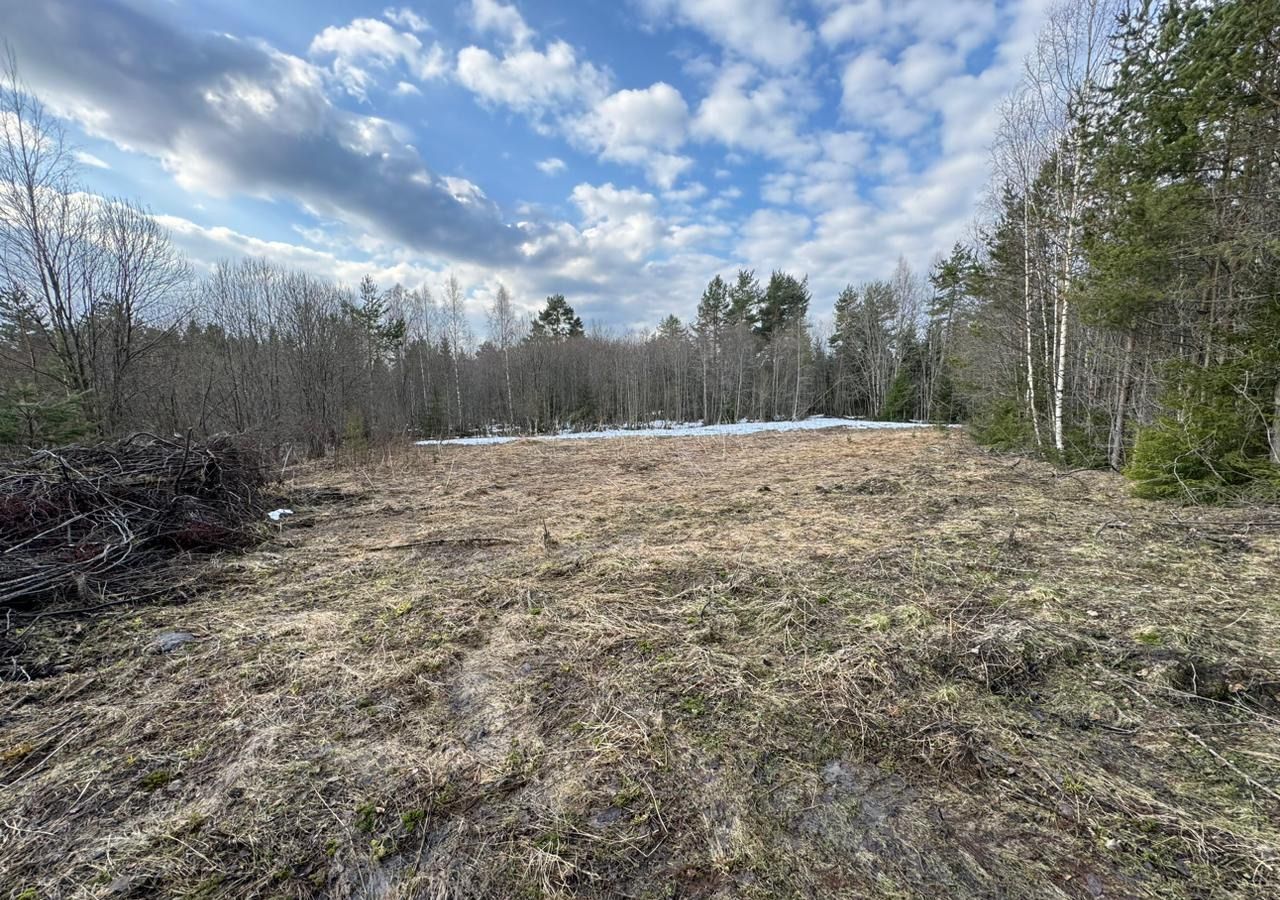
x=809, y=664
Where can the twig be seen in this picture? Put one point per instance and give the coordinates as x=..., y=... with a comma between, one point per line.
x=1230, y=765
x=442, y=542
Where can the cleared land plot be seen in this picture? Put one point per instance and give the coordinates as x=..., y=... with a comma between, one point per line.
x=809, y=664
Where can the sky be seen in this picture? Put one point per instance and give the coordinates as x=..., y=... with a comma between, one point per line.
x=621, y=152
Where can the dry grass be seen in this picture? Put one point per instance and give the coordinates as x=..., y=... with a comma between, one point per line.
x=809, y=664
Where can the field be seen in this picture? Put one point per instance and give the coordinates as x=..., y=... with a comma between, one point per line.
x=817, y=664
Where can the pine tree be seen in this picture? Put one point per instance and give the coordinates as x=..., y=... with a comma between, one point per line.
x=745, y=297
x=785, y=303
x=31, y=419
x=713, y=315
x=557, y=320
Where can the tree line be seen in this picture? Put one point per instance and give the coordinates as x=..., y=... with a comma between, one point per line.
x=1127, y=293
x=1117, y=305
x=104, y=329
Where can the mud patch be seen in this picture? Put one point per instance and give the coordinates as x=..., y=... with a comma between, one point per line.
x=886, y=834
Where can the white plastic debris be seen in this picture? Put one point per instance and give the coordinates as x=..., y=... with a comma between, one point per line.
x=277, y=514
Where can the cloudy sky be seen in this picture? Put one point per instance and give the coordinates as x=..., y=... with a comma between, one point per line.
x=618, y=151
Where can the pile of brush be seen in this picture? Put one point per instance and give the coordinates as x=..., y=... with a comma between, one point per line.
x=86, y=524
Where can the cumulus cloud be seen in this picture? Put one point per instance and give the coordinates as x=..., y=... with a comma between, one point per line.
x=858, y=135
x=406, y=18
x=759, y=30
x=205, y=244
x=640, y=127
x=765, y=115
x=366, y=47
x=563, y=94
x=227, y=116
x=963, y=23
x=872, y=98
x=538, y=83
x=501, y=19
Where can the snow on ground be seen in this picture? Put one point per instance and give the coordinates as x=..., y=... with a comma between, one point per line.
x=687, y=429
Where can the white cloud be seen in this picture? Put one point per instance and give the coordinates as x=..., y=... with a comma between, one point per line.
x=899, y=170
x=655, y=117
x=663, y=169
x=687, y=194
x=759, y=30
x=963, y=23
x=206, y=245
x=922, y=66
x=561, y=93
x=88, y=159
x=640, y=127
x=406, y=18
x=493, y=17
x=769, y=237
x=530, y=81
x=764, y=115
x=851, y=19
x=603, y=203
x=871, y=97
x=369, y=46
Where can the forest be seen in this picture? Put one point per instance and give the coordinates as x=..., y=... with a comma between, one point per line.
x=1117, y=303
x=324, y=590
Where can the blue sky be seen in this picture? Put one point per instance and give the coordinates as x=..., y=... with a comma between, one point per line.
x=621, y=152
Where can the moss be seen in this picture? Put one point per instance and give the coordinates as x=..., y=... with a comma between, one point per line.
x=913, y=616
x=1149, y=636
x=878, y=622
x=630, y=792
x=692, y=705
x=411, y=819
x=156, y=779
x=366, y=817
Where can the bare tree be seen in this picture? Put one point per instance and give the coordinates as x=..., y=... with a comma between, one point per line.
x=141, y=282
x=504, y=332
x=85, y=274
x=45, y=230
x=459, y=334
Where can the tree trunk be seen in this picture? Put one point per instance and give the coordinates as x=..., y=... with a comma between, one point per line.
x=795, y=406
x=506, y=370
x=1026, y=303
x=1275, y=428
x=1115, y=445
x=1060, y=379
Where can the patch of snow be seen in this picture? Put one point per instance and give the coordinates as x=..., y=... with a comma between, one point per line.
x=277, y=514
x=685, y=429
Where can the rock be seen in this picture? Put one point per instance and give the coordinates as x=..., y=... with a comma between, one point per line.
x=172, y=640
